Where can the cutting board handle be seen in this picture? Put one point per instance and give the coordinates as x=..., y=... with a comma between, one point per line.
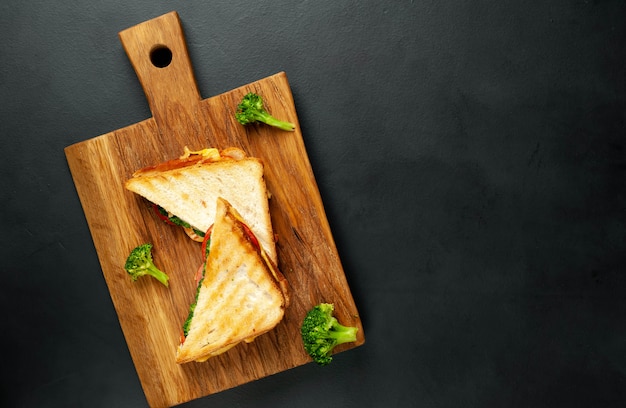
x=158, y=52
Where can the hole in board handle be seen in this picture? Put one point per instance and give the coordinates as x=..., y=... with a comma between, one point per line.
x=160, y=56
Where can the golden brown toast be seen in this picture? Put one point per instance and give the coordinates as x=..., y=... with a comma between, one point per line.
x=242, y=294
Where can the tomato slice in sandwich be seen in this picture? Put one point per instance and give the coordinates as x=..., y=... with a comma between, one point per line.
x=163, y=217
x=250, y=235
x=199, y=274
x=205, y=242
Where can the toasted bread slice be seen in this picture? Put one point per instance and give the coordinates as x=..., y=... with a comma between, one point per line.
x=241, y=296
x=188, y=187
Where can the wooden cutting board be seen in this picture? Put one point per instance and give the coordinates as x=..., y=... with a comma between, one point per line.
x=150, y=314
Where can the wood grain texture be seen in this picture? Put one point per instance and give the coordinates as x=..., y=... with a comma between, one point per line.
x=150, y=314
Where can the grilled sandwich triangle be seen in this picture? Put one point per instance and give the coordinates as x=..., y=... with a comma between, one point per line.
x=242, y=294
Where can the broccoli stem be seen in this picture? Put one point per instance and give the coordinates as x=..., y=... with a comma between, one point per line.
x=272, y=121
x=342, y=334
x=158, y=275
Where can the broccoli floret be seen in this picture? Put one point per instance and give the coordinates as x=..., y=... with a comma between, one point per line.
x=251, y=110
x=140, y=263
x=321, y=332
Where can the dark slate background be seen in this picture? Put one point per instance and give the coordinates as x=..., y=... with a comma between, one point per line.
x=470, y=154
